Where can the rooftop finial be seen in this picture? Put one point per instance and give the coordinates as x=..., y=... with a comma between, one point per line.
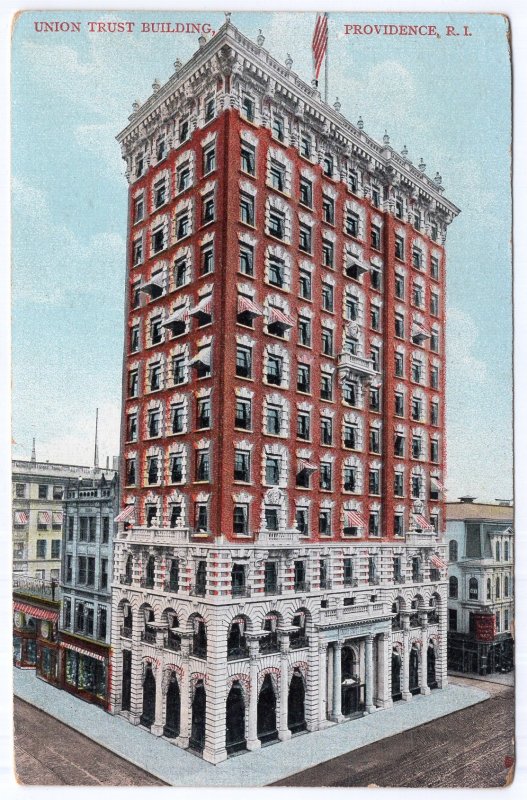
x=422, y=165
x=337, y=104
x=135, y=106
x=227, y=16
x=404, y=151
x=360, y=124
x=177, y=64
x=386, y=138
x=260, y=39
x=33, y=452
x=289, y=61
x=438, y=179
x=156, y=86
x=202, y=41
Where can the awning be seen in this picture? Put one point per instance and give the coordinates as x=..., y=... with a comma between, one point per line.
x=155, y=282
x=180, y=314
x=420, y=331
x=353, y=519
x=21, y=517
x=247, y=306
x=437, y=562
x=423, y=523
x=44, y=518
x=34, y=611
x=203, y=357
x=277, y=316
x=436, y=484
x=352, y=261
x=83, y=651
x=203, y=307
x=57, y=518
x=306, y=466
x=126, y=514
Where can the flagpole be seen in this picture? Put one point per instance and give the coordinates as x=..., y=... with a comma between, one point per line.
x=326, y=60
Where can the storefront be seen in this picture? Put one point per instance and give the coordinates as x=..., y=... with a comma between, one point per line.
x=85, y=670
x=35, y=640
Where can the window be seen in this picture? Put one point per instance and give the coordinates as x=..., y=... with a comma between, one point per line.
x=327, y=297
x=305, y=145
x=210, y=108
x=183, y=177
x=243, y=414
x=452, y=619
x=81, y=569
x=155, y=377
x=324, y=522
x=416, y=486
x=434, y=413
x=328, y=253
x=399, y=286
x=156, y=331
x=178, y=417
x=133, y=383
x=306, y=192
x=398, y=528
x=207, y=209
x=130, y=473
x=417, y=371
x=348, y=571
x=240, y=519
x=176, y=468
x=278, y=128
x=375, y=318
x=399, y=404
x=276, y=226
x=207, y=260
x=434, y=377
x=373, y=524
x=181, y=272
x=139, y=165
x=272, y=470
x=304, y=331
x=139, y=208
x=473, y=589
x=434, y=268
x=271, y=519
x=375, y=440
x=209, y=159
x=399, y=248
x=43, y=492
x=352, y=224
x=417, y=447
x=327, y=165
x=276, y=272
x=305, y=284
x=434, y=451
x=303, y=425
x=326, y=386
x=247, y=260
x=247, y=209
x=350, y=436
x=452, y=550
x=71, y=528
x=243, y=362
x=375, y=237
x=375, y=358
x=434, y=304
x=304, y=241
x=375, y=399
x=152, y=469
x=104, y=573
x=398, y=484
x=325, y=476
x=417, y=258
x=242, y=466
x=399, y=365
x=184, y=129
x=274, y=370
x=178, y=370
x=182, y=225
x=326, y=431
x=302, y=521
x=160, y=193
x=203, y=413
x=248, y=159
x=202, y=465
x=41, y=548
x=101, y=623
x=328, y=209
x=158, y=239
x=327, y=341
x=247, y=108
x=277, y=176
x=105, y=529
x=137, y=252
x=273, y=420
x=398, y=448
x=131, y=428
x=303, y=383
x=350, y=479
x=374, y=484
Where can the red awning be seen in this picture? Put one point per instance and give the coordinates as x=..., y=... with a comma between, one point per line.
x=306, y=466
x=83, y=651
x=126, y=514
x=275, y=315
x=21, y=517
x=203, y=307
x=180, y=314
x=353, y=519
x=35, y=611
x=57, y=518
x=437, y=562
x=423, y=523
x=247, y=306
x=44, y=518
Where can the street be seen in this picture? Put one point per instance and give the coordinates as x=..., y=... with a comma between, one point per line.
x=49, y=753
x=466, y=749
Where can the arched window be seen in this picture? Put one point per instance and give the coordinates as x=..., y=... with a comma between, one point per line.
x=498, y=551
x=452, y=550
x=452, y=586
x=497, y=588
x=473, y=589
x=506, y=586
x=489, y=589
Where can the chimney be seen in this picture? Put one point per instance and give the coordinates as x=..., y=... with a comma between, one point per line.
x=33, y=453
x=96, y=449
x=107, y=462
x=115, y=463
x=467, y=499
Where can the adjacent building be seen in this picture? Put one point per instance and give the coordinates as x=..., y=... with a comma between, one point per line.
x=280, y=558
x=481, y=586
x=90, y=508
x=36, y=609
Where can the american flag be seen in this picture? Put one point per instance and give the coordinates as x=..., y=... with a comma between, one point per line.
x=319, y=43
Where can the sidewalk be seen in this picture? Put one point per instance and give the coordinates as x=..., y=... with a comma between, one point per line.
x=503, y=678
x=180, y=768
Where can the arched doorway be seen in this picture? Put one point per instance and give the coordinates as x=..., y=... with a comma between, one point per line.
x=431, y=667
x=149, y=698
x=173, y=708
x=235, y=717
x=127, y=680
x=199, y=705
x=396, y=676
x=350, y=684
x=295, y=704
x=266, y=715
x=414, y=670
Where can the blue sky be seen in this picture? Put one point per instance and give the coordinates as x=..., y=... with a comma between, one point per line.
x=447, y=99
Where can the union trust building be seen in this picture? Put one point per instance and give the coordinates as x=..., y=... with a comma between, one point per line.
x=279, y=563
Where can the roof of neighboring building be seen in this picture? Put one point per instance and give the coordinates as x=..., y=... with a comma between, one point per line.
x=481, y=511
x=46, y=469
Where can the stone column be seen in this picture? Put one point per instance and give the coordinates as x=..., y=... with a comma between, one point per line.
x=406, y=694
x=136, y=694
x=313, y=683
x=253, y=742
x=322, y=681
x=424, y=688
x=384, y=670
x=441, y=653
x=369, y=673
x=184, y=722
x=336, y=714
x=283, y=730
x=157, y=727
x=215, y=750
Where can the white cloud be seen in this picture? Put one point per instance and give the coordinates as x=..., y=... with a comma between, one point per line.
x=462, y=336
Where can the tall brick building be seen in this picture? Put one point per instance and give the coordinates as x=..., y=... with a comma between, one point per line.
x=279, y=561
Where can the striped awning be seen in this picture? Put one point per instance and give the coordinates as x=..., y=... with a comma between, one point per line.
x=203, y=357
x=83, y=651
x=307, y=466
x=436, y=484
x=180, y=314
x=155, y=282
x=437, y=562
x=423, y=523
x=57, y=518
x=126, y=514
x=21, y=517
x=203, y=307
x=353, y=519
x=35, y=611
x=44, y=518
x=247, y=306
x=420, y=330
x=277, y=316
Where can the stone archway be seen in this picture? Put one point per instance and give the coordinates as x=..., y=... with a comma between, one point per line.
x=266, y=712
x=149, y=698
x=431, y=678
x=296, y=712
x=396, y=676
x=199, y=707
x=173, y=708
x=235, y=719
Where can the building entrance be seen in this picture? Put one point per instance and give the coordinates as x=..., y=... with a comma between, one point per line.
x=173, y=708
x=266, y=714
x=235, y=735
x=149, y=698
x=199, y=705
x=295, y=705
